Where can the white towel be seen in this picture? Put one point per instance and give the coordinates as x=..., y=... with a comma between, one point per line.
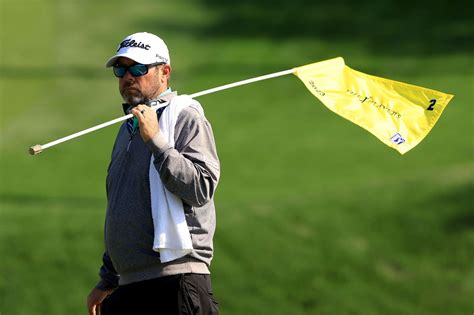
x=172, y=238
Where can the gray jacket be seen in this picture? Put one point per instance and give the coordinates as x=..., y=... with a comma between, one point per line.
x=190, y=170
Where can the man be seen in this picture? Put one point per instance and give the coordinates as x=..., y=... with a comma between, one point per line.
x=160, y=188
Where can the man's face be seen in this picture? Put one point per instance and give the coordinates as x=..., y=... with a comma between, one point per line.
x=139, y=90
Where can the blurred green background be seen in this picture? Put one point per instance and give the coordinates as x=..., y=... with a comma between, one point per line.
x=315, y=215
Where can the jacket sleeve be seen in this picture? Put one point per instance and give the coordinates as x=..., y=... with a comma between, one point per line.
x=191, y=169
x=109, y=279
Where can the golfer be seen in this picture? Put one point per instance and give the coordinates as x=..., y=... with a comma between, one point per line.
x=163, y=173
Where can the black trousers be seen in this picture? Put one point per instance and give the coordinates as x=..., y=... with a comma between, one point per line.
x=189, y=294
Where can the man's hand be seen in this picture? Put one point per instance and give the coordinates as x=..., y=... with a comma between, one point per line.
x=95, y=299
x=147, y=120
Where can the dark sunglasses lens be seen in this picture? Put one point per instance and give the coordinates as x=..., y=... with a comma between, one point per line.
x=138, y=70
x=119, y=71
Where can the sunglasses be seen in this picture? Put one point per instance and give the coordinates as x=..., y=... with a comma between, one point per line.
x=137, y=70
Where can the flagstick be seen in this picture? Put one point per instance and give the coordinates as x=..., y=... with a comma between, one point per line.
x=37, y=149
x=231, y=85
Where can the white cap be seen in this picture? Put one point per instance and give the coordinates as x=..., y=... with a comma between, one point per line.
x=144, y=48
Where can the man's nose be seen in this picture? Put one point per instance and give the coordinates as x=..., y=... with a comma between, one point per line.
x=127, y=76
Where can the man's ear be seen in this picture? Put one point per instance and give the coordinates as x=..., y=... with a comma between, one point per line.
x=166, y=70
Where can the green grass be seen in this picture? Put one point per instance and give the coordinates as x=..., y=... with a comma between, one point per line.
x=315, y=215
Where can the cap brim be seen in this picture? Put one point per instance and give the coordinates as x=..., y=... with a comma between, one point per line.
x=113, y=60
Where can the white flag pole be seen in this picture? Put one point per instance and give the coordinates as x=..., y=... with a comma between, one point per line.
x=37, y=149
x=243, y=82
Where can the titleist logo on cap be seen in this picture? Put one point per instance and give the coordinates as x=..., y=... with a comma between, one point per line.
x=133, y=43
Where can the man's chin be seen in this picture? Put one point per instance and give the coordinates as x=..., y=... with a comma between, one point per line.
x=133, y=99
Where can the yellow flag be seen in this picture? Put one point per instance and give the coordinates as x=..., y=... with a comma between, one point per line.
x=399, y=114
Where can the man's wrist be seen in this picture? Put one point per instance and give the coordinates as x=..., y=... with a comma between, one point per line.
x=105, y=285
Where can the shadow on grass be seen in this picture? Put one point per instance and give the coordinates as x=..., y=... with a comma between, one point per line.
x=53, y=72
x=460, y=203
x=43, y=200
x=385, y=26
